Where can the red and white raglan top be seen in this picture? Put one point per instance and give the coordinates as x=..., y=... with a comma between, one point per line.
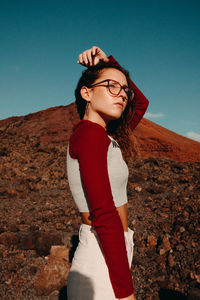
x=97, y=177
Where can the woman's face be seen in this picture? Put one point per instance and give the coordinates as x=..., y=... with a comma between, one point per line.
x=102, y=104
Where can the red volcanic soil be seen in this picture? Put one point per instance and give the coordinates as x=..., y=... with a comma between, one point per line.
x=156, y=141
x=55, y=124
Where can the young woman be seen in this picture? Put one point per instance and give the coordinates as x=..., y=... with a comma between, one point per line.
x=107, y=102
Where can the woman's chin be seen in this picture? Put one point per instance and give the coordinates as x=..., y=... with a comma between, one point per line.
x=116, y=116
x=111, y=116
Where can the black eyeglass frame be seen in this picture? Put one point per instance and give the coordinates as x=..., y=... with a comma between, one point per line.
x=129, y=93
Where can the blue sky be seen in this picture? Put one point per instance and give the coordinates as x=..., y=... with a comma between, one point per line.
x=157, y=41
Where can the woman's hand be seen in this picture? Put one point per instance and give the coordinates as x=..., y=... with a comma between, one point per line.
x=131, y=297
x=91, y=57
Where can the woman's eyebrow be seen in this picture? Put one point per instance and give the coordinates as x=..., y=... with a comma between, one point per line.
x=124, y=86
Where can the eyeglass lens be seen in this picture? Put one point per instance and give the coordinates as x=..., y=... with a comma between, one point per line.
x=115, y=88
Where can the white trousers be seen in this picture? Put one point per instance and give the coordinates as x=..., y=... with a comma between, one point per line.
x=88, y=277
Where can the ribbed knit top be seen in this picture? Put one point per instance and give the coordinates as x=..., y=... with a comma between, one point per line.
x=118, y=176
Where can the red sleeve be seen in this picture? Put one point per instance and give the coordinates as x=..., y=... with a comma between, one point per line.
x=89, y=144
x=141, y=103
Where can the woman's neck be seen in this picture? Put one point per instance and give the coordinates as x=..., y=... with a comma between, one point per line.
x=96, y=118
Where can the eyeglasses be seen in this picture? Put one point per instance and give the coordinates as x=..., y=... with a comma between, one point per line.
x=114, y=87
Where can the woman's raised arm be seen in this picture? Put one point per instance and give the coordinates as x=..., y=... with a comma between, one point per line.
x=141, y=102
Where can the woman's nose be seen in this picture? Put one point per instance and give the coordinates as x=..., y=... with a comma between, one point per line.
x=123, y=94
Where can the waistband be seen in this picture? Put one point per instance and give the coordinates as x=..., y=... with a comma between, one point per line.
x=88, y=228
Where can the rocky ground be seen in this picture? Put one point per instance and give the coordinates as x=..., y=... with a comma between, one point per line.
x=39, y=222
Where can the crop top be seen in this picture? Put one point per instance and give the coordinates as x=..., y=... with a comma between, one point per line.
x=117, y=172
x=94, y=163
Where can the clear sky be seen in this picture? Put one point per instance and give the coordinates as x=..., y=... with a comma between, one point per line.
x=158, y=41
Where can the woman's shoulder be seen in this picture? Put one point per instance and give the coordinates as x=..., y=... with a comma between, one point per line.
x=86, y=129
x=88, y=136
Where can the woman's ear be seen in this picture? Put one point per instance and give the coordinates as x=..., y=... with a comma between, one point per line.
x=86, y=93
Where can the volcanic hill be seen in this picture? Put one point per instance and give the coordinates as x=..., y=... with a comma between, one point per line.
x=55, y=125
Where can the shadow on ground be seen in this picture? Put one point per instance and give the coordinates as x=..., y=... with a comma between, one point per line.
x=165, y=294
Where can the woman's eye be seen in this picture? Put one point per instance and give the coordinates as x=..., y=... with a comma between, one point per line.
x=112, y=86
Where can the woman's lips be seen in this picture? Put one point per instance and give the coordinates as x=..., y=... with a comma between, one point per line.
x=120, y=105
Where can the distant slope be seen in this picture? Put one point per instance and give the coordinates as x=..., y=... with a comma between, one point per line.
x=157, y=141
x=55, y=124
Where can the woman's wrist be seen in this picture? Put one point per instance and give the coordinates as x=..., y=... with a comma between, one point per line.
x=131, y=297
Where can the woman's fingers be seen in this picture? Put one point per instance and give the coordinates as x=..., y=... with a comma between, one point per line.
x=80, y=59
x=91, y=56
x=85, y=57
x=101, y=54
x=95, y=50
x=96, y=60
x=131, y=297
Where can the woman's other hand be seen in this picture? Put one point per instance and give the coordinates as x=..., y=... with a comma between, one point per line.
x=132, y=297
x=91, y=57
